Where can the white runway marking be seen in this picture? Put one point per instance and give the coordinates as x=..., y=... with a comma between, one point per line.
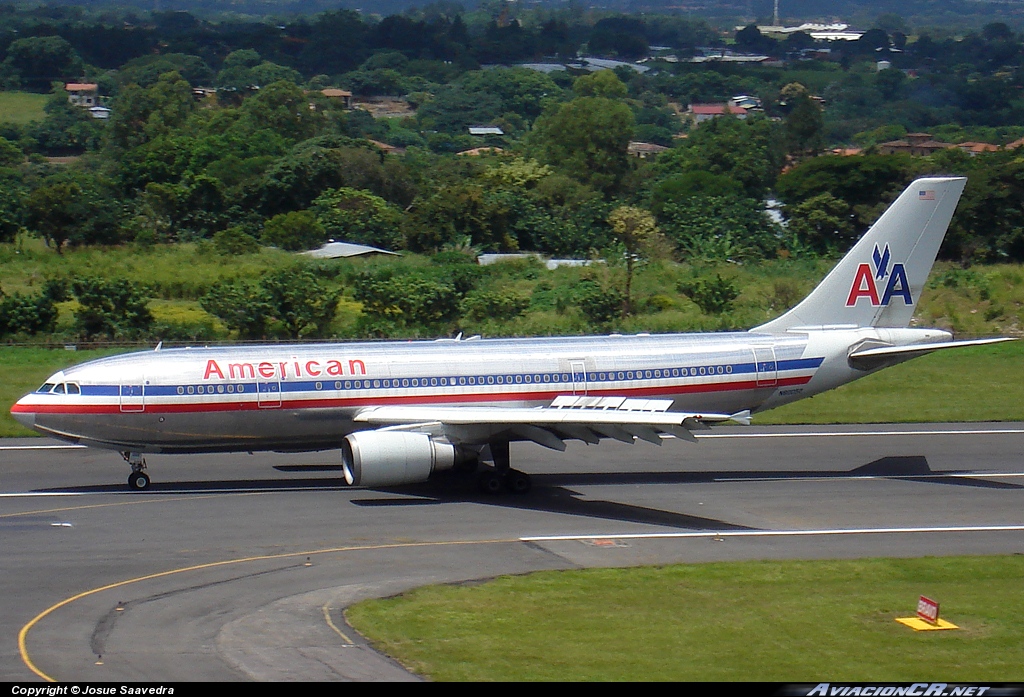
x=41, y=447
x=774, y=533
x=841, y=475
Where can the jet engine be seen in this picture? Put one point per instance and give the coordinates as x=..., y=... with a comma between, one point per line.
x=391, y=458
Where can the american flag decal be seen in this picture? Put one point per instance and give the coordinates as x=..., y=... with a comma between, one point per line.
x=926, y=195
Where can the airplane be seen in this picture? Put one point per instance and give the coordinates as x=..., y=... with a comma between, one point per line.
x=400, y=411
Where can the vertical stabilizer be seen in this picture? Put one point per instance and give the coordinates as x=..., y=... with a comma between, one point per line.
x=879, y=282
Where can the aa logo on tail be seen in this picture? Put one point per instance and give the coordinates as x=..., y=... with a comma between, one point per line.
x=868, y=281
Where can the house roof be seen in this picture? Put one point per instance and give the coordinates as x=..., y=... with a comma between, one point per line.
x=485, y=131
x=636, y=146
x=344, y=250
x=335, y=92
x=81, y=87
x=474, y=152
x=716, y=109
x=976, y=147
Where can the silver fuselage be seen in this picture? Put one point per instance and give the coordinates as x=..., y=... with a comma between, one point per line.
x=304, y=397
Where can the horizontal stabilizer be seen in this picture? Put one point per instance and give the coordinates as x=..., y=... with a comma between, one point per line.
x=870, y=358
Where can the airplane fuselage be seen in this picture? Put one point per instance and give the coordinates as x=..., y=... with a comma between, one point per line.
x=304, y=397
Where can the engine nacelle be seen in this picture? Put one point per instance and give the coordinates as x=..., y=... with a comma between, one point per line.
x=391, y=458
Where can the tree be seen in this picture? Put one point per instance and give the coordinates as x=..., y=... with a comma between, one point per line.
x=115, y=308
x=30, y=314
x=141, y=114
x=358, y=216
x=587, y=138
x=720, y=228
x=12, y=204
x=805, y=126
x=243, y=308
x=822, y=224
x=295, y=232
x=409, y=303
x=519, y=90
x=294, y=302
x=635, y=230
x=302, y=304
x=603, y=83
x=750, y=152
x=37, y=61
x=283, y=107
x=73, y=208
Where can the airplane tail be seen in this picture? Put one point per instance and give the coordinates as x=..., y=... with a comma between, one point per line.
x=878, y=283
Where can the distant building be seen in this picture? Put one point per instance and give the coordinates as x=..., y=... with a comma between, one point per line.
x=818, y=32
x=99, y=112
x=485, y=131
x=83, y=94
x=644, y=150
x=388, y=149
x=346, y=250
x=745, y=101
x=699, y=113
x=976, y=148
x=344, y=96
x=919, y=144
x=477, y=152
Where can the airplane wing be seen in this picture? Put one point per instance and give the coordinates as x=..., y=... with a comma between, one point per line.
x=568, y=417
x=873, y=357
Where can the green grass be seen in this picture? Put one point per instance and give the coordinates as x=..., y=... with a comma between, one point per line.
x=22, y=107
x=737, y=621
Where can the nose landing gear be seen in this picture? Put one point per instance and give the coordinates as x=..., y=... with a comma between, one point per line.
x=138, y=480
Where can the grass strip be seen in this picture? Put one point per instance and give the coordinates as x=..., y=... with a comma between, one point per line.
x=792, y=621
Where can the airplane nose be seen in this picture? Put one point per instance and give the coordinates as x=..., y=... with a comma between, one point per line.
x=22, y=415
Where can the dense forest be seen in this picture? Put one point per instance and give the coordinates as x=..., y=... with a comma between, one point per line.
x=220, y=133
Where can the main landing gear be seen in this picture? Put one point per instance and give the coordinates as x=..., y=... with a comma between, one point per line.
x=138, y=480
x=503, y=477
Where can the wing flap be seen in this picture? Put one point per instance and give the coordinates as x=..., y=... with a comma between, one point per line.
x=582, y=418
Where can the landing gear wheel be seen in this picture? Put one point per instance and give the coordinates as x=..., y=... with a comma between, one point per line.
x=491, y=483
x=138, y=481
x=518, y=482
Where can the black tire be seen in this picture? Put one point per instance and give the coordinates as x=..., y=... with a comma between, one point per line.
x=518, y=482
x=491, y=483
x=138, y=481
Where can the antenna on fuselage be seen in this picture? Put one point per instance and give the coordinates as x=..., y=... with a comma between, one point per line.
x=158, y=346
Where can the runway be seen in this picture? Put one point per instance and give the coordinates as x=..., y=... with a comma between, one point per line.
x=237, y=567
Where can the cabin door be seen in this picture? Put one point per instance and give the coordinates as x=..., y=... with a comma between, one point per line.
x=132, y=395
x=767, y=368
x=579, y=377
x=269, y=393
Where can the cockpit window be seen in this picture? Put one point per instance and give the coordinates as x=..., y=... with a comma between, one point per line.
x=73, y=388
x=59, y=389
x=46, y=387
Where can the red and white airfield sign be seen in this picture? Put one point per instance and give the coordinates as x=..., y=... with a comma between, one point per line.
x=927, y=617
x=928, y=610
